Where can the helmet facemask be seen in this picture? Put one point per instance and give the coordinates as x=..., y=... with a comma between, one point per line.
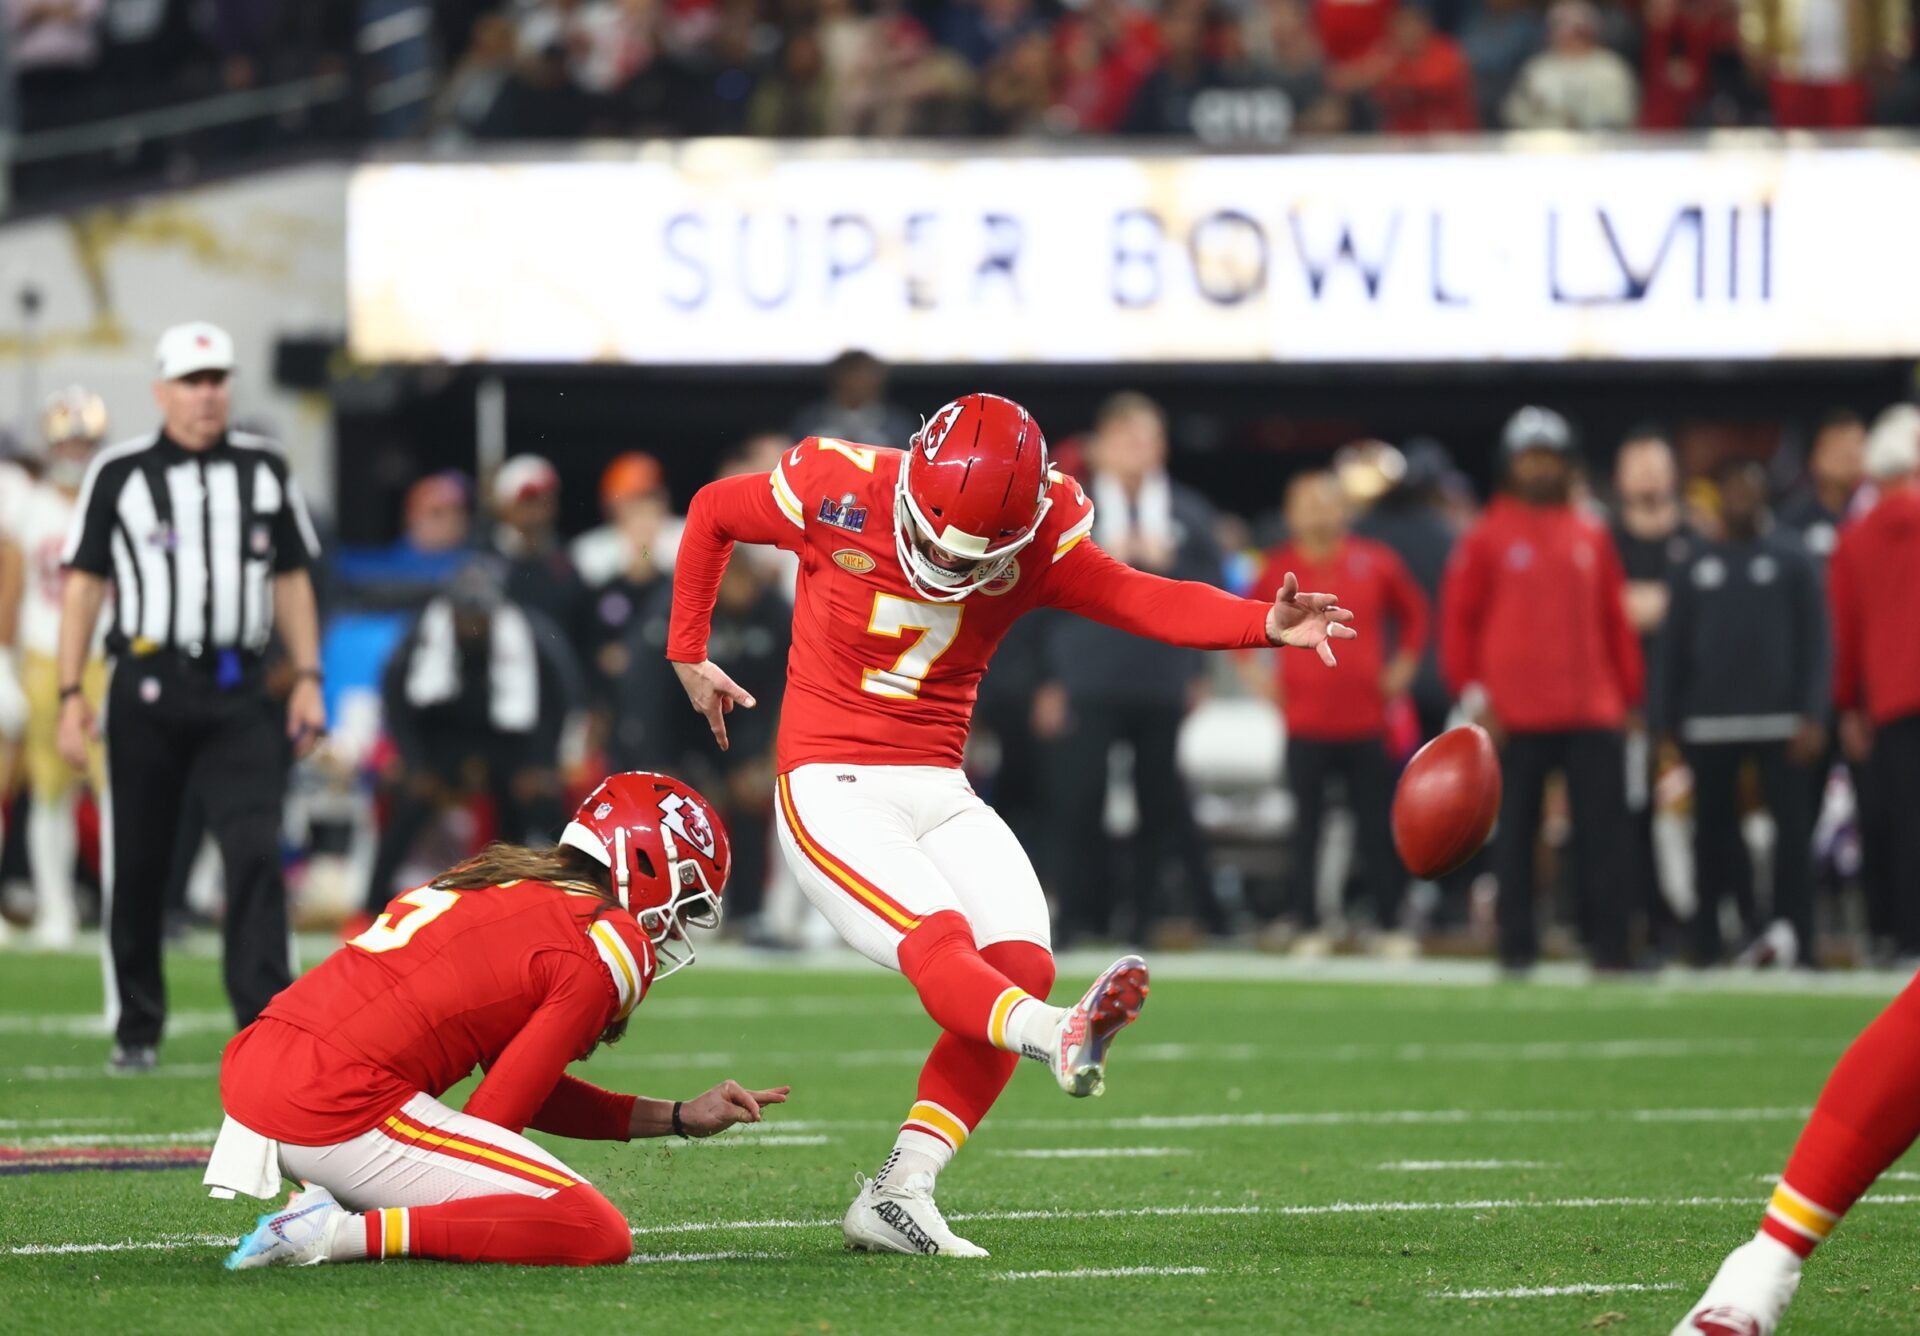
x=691, y=903
x=913, y=532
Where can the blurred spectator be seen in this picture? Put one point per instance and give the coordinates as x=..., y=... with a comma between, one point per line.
x=535, y=570
x=606, y=41
x=1876, y=630
x=1108, y=687
x=901, y=84
x=856, y=407
x=467, y=100
x=632, y=480
x=982, y=30
x=1818, y=56
x=633, y=495
x=474, y=698
x=1417, y=77
x=1164, y=103
x=1281, y=51
x=1748, y=668
x=539, y=100
x=1016, y=93
x=1408, y=516
x=1648, y=533
x=1690, y=68
x=1104, y=52
x=53, y=47
x=432, y=547
x=1337, y=720
x=791, y=101
x=1498, y=39
x=1350, y=30
x=1535, y=640
x=1835, y=470
x=1576, y=83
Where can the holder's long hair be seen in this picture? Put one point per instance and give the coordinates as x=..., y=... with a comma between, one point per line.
x=557, y=865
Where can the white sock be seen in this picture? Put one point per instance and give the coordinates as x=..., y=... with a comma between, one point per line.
x=50, y=850
x=1029, y=1029
x=1783, y=1255
x=913, y=1153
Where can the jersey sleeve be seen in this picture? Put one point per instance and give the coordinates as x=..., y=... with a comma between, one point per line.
x=1188, y=613
x=585, y=1112
x=90, y=538
x=1071, y=519
x=576, y=1006
x=746, y=508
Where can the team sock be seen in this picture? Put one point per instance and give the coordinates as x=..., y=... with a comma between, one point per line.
x=1866, y=1118
x=970, y=998
x=963, y=1077
x=575, y=1226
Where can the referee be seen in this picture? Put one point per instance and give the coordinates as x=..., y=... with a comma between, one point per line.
x=205, y=539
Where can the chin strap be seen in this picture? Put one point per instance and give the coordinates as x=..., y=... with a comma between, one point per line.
x=620, y=864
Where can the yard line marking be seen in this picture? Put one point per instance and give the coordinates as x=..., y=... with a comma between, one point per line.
x=1439, y=1166
x=93, y=1025
x=656, y=1259
x=1549, y=1291
x=1101, y=1272
x=201, y=1135
x=1097, y=1153
x=98, y=1071
x=30, y=1124
x=178, y=1241
x=721, y=1143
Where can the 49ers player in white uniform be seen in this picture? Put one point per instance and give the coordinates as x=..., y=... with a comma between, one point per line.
x=913, y=566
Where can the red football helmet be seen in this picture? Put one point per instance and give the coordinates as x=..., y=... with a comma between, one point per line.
x=669, y=855
x=973, y=490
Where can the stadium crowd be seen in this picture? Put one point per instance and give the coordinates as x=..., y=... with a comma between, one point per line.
x=1704, y=683
x=1221, y=71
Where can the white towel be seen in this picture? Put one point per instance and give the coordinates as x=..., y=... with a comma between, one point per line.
x=1148, y=515
x=433, y=678
x=242, y=1161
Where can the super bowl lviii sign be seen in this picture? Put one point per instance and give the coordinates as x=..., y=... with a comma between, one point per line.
x=736, y=252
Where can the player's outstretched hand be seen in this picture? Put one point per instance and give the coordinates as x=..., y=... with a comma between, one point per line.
x=1308, y=621
x=726, y=1104
x=713, y=693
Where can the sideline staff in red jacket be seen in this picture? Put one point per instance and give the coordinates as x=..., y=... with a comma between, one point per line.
x=1533, y=623
x=1874, y=585
x=1337, y=722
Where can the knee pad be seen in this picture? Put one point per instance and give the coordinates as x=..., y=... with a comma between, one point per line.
x=1027, y=965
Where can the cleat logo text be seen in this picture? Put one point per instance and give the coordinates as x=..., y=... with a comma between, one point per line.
x=903, y=1224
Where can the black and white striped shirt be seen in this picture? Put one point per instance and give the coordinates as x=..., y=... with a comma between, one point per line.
x=191, y=540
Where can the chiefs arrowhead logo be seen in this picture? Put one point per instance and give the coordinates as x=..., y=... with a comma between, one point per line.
x=934, y=434
x=685, y=818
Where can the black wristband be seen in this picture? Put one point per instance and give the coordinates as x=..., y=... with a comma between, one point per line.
x=302, y=674
x=679, y=1128
x=68, y=691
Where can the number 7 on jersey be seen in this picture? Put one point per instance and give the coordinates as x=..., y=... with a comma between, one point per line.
x=938, y=625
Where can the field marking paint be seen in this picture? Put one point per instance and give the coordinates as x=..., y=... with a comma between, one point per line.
x=1101, y=1273
x=98, y=1072
x=33, y=1124
x=93, y=1025
x=657, y=1259
x=1550, y=1291
x=1442, y=1166
x=199, y=1135
x=775, y=1139
x=179, y=1241
x=1097, y=1153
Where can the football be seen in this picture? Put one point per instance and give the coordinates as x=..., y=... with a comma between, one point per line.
x=1447, y=800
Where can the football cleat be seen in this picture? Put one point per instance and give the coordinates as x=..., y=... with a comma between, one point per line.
x=1079, y=1054
x=298, y=1234
x=1748, y=1295
x=902, y=1218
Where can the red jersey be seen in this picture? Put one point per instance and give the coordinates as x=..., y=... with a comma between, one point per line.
x=1371, y=580
x=519, y=979
x=1876, y=609
x=1533, y=608
x=877, y=675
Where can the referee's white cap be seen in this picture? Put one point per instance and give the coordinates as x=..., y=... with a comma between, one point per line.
x=192, y=347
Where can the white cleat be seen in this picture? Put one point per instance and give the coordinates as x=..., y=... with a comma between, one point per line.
x=1748, y=1295
x=298, y=1234
x=902, y=1218
x=1079, y=1053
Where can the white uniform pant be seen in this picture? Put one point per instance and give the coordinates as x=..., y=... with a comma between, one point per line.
x=878, y=848
x=426, y=1154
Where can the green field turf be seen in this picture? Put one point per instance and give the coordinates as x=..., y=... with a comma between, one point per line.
x=1277, y=1156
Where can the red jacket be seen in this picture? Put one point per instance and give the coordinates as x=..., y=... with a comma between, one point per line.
x=1345, y=704
x=1873, y=582
x=1532, y=609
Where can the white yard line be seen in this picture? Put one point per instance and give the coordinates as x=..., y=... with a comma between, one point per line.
x=1100, y=1273
x=91, y=1024
x=179, y=1241
x=199, y=1136
x=656, y=1259
x=29, y=1124
x=97, y=1071
x=776, y=1139
x=1550, y=1291
x=1097, y=1153
x=1444, y=1166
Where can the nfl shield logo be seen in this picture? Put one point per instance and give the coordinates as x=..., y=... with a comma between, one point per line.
x=260, y=540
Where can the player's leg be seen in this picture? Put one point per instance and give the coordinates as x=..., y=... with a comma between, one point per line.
x=1525, y=759
x=432, y=1182
x=51, y=843
x=1716, y=835
x=1596, y=765
x=1866, y=1118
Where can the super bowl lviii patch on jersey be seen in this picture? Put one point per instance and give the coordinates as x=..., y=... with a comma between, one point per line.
x=843, y=514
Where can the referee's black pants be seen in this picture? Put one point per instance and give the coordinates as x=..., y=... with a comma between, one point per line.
x=1594, y=762
x=1366, y=776
x=168, y=727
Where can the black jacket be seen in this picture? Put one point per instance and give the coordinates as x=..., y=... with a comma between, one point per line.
x=1747, y=652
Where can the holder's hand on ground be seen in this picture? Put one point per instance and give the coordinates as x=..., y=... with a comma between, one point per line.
x=713, y=694
x=726, y=1104
x=1308, y=621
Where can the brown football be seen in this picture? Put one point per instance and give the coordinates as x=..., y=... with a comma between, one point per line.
x=1448, y=797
